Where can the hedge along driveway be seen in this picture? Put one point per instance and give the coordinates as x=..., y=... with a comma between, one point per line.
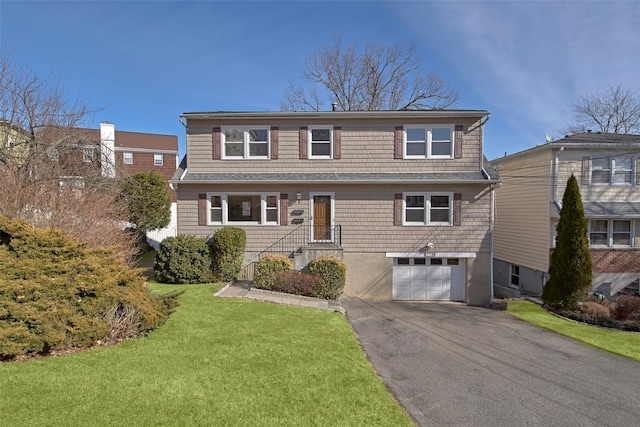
x=215, y=362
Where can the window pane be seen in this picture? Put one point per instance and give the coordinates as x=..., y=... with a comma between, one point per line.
x=403, y=261
x=436, y=261
x=320, y=134
x=623, y=163
x=416, y=134
x=234, y=149
x=272, y=201
x=622, y=233
x=622, y=226
x=320, y=149
x=415, y=201
x=258, y=149
x=599, y=225
x=414, y=149
x=623, y=239
x=244, y=207
x=439, y=215
x=419, y=261
x=216, y=214
x=441, y=134
x=258, y=135
x=440, y=148
x=600, y=177
x=439, y=201
x=598, y=238
x=272, y=215
x=216, y=201
x=415, y=215
x=233, y=135
x=622, y=177
x=453, y=261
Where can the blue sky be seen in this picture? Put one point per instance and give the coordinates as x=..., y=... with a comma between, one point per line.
x=144, y=63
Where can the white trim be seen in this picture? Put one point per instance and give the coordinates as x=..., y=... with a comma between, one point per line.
x=428, y=141
x=124, y=157
x=310, y=142
x=332, y=196
x=435, y=255
x=225, y=208
x=245, y=142
x=161, y=159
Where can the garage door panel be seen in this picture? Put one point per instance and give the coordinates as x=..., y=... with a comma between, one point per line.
x=428, y=282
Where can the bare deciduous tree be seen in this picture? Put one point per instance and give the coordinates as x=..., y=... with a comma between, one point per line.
x=379, y=78
x=616, y=110
x=49, y=164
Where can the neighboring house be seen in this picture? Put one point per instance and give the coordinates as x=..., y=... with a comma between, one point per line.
x=529, y=202
x=404, y=198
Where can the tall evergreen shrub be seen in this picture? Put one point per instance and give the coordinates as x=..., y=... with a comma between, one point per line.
x=227, y=252
x=183, y=259
x=570, y=274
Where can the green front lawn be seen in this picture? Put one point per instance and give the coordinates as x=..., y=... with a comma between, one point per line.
x=623, y=343
x=215, y=362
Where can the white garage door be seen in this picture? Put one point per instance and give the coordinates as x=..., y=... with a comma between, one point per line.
x=435, y=279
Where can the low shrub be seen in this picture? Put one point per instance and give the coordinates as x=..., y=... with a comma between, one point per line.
x=333, y=273
x=269, y=269
x=227, y=252
x=183, y=259
x=56, y=293
x=298, y=283
x=626, y=307
x=594, y=309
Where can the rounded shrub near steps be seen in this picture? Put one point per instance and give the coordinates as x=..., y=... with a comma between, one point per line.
x=333, y=273
x=269, y=271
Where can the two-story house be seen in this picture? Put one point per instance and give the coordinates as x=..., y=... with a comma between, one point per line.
x=529, y=202
x=404, y=198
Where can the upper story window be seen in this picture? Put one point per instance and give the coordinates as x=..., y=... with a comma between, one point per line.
x=428, y=209
x=320, y=142
x=243, y=208
x=247, y=142
x=127, y=157
x=610, y=232
x=428, y=142
x=158, y=159
x=612, y=170
x=88, y=154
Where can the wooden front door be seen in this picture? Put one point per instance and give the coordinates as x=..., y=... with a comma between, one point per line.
x=322, y=218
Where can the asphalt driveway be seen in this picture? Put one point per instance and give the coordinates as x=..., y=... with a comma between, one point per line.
x=450, y=364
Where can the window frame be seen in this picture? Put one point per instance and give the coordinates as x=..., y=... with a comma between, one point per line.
x=310, y=142
x=88, y=154
x=246, y=142
x=155, y=159
x=610, y=232
x=428, y=129
x=611, y=168
x=125, y=155
x=224, y=208
x=427, y=209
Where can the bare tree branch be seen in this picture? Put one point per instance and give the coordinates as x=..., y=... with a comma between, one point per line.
x=616, y=110
x=378, y=78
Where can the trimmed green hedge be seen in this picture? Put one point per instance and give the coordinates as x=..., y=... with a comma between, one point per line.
x=269, y=271
x=183, y=259
x=333, y=273
x=227, y=252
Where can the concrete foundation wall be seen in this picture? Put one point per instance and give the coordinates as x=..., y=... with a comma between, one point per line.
x=369, y=276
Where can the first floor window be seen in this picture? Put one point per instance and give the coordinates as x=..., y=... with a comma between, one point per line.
x=158, y=160
x=610, y=232
x=427, y=209
x=243, y=208
x=515, y=275
x=127, y=158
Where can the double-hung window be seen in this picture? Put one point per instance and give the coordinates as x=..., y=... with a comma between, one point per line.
x=612, y=170
x=434, y=142
x=428, y=209
x=158, y=159
x=610, y=232
x=127, y=157
x=248, y=142
x=243, y=208
x=320, y=142
x=89, y=154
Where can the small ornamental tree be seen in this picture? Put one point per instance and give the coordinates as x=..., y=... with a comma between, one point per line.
x=570, y=274
x=148, y=201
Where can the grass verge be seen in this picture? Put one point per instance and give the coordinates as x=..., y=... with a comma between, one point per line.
x=215, y=362
x=625, y=344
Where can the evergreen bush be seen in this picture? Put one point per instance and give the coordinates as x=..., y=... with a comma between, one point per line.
x=183, y=259
x=58, y=294
x=333, y=273
x=570, y=273
x=227, y=252
x=269, y=271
